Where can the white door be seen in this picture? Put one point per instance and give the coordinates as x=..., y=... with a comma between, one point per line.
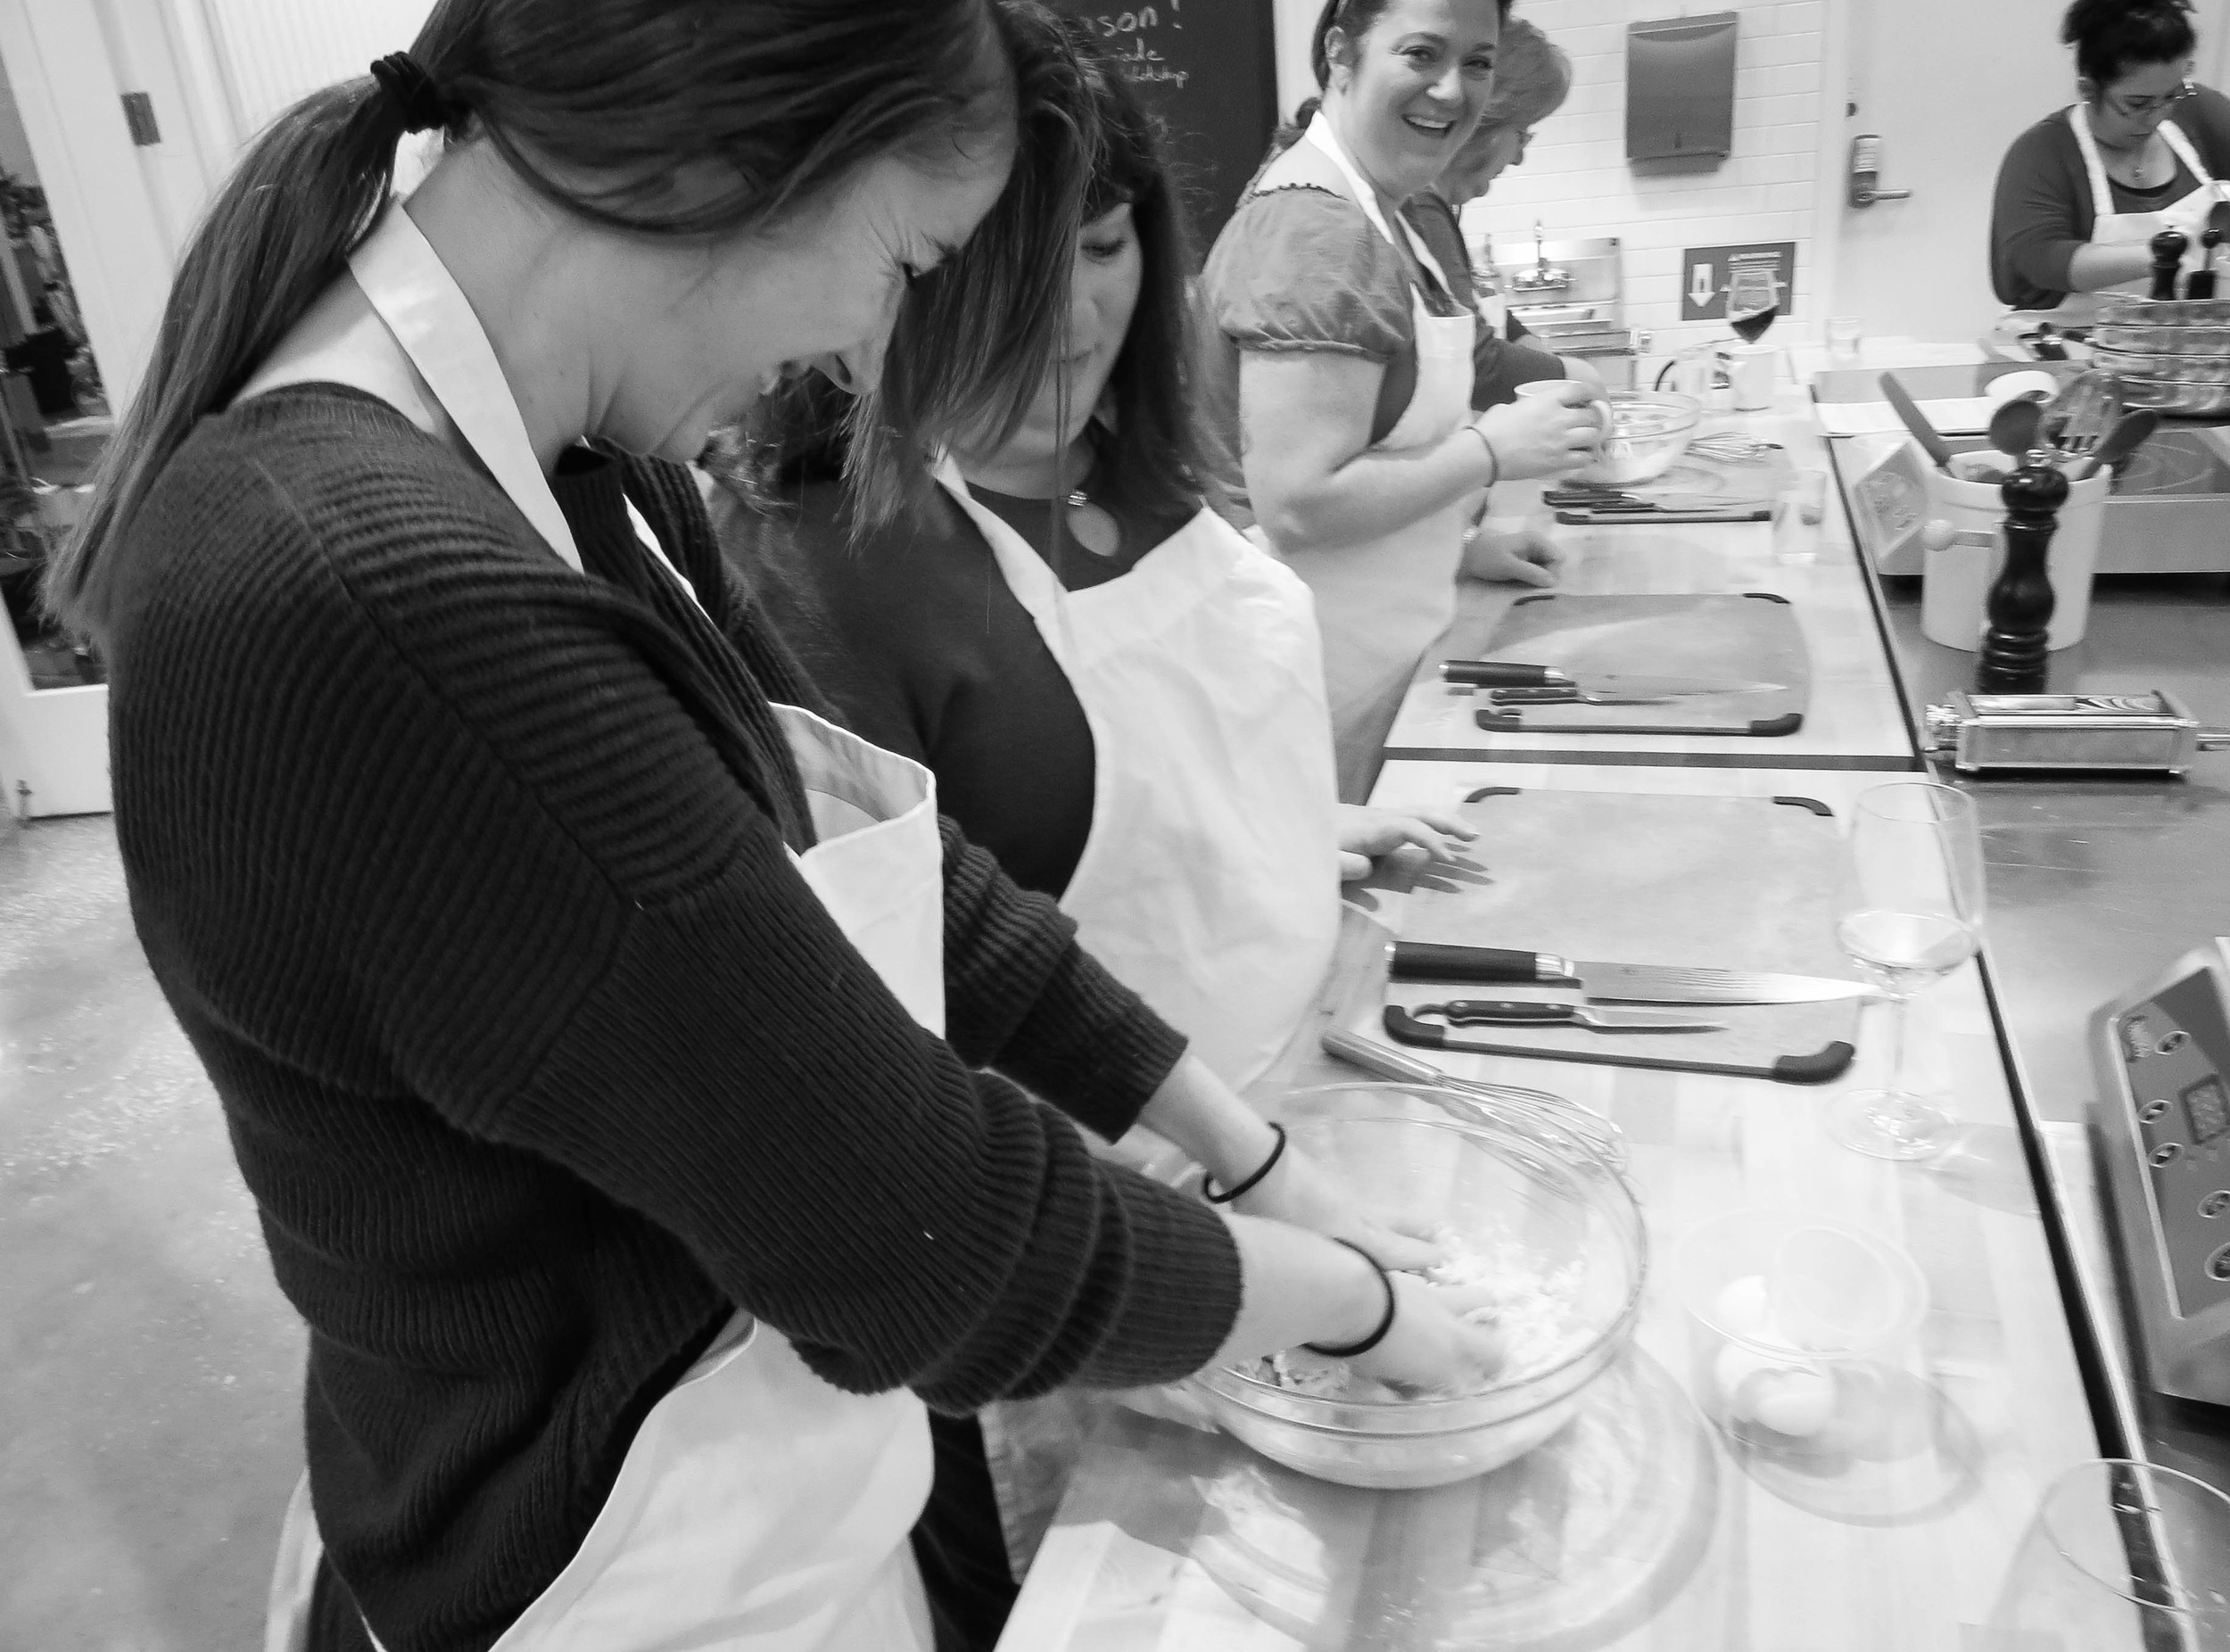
x=1948, y=85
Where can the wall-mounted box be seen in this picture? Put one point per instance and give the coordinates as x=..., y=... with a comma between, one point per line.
x=1680, y=88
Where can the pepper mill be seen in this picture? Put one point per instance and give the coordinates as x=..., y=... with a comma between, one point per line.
x=2168, y=253
x=2013, y=659
x=2202, y=282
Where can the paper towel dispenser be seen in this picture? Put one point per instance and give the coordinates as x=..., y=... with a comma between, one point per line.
x=1680, y=87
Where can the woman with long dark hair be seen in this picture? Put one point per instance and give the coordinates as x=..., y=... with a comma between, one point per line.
x=612, y=1046
x=1339, y=367
x=1119, y=695
x=2143, y=148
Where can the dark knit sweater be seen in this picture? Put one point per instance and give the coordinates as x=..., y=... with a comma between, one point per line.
x=467, y=877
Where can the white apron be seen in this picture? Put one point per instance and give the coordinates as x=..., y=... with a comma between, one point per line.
x=2109, y=228
x=1381, y=604
x=1209, y=882
x=759, y=1508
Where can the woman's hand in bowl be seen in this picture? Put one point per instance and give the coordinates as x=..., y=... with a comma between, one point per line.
x=1557, y=425
x=1302, y=1191
x=1431, y=1347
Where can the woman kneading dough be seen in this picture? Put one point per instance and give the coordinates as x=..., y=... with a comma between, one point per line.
x=627, y=1063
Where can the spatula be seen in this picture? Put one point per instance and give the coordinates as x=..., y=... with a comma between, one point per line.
x=1938, y=450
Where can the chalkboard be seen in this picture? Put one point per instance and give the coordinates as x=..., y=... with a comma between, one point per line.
x=1209, y=69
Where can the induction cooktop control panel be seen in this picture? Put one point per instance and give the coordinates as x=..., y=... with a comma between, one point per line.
x=2162, y=1123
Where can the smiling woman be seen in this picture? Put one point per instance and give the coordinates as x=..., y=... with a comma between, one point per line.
x=639, y=1081
x=1339, y=370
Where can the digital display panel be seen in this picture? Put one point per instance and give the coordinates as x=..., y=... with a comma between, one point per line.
x=2208, y=1106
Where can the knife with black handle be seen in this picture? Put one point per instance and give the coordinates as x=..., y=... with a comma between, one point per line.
x=1530, y=1012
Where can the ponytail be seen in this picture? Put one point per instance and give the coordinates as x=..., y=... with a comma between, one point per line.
x=599, y=106
x=278, y=235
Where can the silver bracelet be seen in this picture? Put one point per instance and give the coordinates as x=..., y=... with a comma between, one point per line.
x=1494, y=459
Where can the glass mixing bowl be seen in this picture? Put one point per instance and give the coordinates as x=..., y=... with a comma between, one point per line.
x=1649, y=430
x=1441, y=1162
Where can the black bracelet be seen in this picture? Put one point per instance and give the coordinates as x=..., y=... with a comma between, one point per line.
x=1385, y=1322
x=1255, y=1181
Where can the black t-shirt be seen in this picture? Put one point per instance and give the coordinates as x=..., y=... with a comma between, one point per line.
x=44, y=357
x=915, y=636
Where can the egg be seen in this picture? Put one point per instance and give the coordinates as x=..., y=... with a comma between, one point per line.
x=1789, y=1398
x=1744, y=1310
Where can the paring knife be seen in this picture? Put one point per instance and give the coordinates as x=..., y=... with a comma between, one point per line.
x=1514, y=1012
x=1513, y=674
x=1628, y=983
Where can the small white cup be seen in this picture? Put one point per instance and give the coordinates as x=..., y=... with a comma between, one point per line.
x=1752, y=369
x=1846, y=340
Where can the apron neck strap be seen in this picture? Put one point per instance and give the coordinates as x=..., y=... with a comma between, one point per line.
x=1324, y=137
x=433, y=323
x=2094, y=164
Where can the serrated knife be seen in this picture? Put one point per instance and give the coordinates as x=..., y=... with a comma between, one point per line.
x=1616, y=983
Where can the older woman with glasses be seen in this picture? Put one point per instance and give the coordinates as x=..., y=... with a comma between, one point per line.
x=2082, y=193
x=1532, y=77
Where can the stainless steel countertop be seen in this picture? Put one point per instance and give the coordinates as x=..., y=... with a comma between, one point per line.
x=2095, y=883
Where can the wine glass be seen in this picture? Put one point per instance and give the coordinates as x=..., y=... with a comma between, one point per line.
x=1752, y=301
x=1915, y=915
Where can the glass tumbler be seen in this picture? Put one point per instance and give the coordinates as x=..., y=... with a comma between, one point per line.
x=1845, y=338
x=2121, y=1557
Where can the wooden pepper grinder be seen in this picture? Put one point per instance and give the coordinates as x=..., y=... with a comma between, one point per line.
x=2168, y=253
x=2014, y=659
x=2202, y=282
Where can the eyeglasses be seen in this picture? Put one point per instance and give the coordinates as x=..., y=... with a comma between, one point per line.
x=2137, y=108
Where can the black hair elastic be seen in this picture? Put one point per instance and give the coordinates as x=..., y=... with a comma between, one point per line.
x=1255, y=1181
x=1385, y=1322
x=405, y=83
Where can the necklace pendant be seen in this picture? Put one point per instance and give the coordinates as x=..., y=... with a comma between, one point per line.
x=1077, y=501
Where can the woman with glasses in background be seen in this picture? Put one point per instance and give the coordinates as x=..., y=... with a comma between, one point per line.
x=2082, y=193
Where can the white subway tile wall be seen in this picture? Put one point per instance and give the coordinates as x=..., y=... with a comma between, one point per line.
x=1576, y=182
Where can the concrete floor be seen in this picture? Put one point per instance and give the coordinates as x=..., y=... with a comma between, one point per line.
x=150, y=1371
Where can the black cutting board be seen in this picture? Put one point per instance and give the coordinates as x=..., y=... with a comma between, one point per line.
x=1750, y=636
x=1733, y=883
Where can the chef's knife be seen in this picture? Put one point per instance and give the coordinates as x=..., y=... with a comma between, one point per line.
x=1597, y=517
x=1512, y=674
x=1644, y=501
x=1628, y=983
x=1515, y=1013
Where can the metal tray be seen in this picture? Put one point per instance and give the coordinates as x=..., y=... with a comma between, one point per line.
x=2176, y=395
x=2159, y=311
x=2187, y=369
x=2165, y=341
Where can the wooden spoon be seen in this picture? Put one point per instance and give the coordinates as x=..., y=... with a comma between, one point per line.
x=2013, y=428
x=2129, y=435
